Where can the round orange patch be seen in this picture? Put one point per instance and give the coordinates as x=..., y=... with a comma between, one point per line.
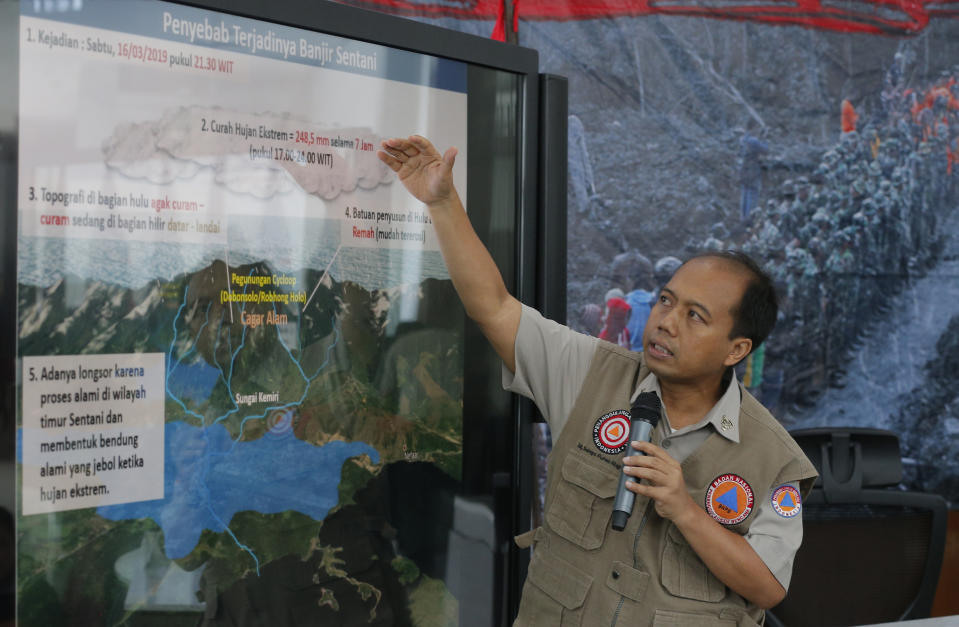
x=786, y=501
x=729, y=499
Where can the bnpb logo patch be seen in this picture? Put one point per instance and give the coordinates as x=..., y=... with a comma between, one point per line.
x=729, y=499
x=786, y=501
x=611, y=432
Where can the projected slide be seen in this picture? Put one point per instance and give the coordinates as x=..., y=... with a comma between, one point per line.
x=232, y=317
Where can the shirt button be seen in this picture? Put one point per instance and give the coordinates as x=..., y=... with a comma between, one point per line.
x=615, y=574
x=667, y=443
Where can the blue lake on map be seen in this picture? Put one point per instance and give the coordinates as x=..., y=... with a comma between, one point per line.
x=192, y=381
x=208, y=478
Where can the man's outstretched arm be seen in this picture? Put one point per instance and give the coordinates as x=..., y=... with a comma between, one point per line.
x=427, y=175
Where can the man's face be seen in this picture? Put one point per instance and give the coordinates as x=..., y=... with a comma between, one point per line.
x=686, y=339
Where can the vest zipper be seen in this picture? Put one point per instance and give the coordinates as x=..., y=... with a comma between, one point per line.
x=639, y=532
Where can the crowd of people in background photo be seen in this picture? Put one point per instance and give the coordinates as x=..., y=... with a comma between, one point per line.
x=838, y=241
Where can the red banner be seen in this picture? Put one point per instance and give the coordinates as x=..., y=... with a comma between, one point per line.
x=882, y=17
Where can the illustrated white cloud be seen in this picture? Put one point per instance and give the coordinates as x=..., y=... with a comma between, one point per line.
x=248, y=153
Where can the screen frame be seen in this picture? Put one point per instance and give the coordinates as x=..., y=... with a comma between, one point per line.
x=501, y=442
x=507, y=474
x=342, y=20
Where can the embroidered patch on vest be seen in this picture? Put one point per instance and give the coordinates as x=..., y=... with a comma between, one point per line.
x=729, y=499
x=611, y=432
x=786, y=501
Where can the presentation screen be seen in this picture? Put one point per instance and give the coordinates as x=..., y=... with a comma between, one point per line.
x=236, y=334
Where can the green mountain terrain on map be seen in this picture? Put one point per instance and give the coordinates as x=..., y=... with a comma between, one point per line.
x=393, y=384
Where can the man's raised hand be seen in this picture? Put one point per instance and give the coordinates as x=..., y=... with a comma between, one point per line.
x=429, y=177
x=419, y=166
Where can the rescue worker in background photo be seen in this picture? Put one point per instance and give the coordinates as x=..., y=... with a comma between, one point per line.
x=617, y=316
x=751, y=149
x=717, y=517
x=848, y=115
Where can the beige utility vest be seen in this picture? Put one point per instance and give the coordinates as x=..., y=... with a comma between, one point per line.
x=582, y=572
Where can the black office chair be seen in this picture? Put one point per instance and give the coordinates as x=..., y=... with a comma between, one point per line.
x=871, y=553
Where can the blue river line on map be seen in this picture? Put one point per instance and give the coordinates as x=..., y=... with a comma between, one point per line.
x=210, y=476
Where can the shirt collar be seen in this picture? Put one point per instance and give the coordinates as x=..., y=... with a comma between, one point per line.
x=724, y=415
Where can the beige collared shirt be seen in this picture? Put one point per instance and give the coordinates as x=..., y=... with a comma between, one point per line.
x=551, y=364
x=723, y=417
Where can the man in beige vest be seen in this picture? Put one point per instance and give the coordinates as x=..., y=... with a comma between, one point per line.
x=717, y=517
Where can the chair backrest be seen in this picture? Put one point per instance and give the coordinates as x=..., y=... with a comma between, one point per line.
x=869, y=555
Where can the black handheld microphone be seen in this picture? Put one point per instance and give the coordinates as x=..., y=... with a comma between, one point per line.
x=644, y=416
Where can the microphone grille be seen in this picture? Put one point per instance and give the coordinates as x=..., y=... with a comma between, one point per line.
x=648, y=407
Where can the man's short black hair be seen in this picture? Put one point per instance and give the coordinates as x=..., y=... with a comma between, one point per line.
x=756, y=314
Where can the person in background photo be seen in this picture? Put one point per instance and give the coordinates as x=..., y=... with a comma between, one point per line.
x=751, y=150
x=848, y=116
x=614, y=292
x=617, y=317
x=640, y=300
x=591, y=319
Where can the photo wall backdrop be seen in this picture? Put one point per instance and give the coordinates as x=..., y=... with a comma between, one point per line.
x=823, y=139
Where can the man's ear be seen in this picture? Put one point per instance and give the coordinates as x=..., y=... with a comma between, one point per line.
x=738, y=351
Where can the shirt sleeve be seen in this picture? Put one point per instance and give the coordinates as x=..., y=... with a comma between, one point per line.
x=551, y=364
x=776, y=538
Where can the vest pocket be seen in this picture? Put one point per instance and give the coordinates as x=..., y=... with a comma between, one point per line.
x=577, y=511
x=726, y=618
x=625, y=581
x=554, y=592
x=684, y=574
x=669, y=618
